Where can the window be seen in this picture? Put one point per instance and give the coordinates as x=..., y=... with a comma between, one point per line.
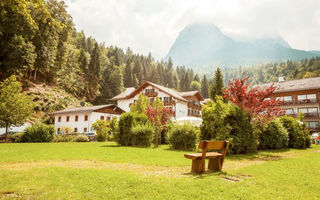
x=76, y=118
x=68, y=118
x=75, y=130
x=289, y=111
x=287, y=99
x=86, y=118
x=307, y=98
x=313, y=125
x=167, y=99
x=309, y=112
x=58, y=130
x=108, y=118
x=59, y=119
x=151, y=100
x=85, y=130
x=148, y=91
x=101, y=117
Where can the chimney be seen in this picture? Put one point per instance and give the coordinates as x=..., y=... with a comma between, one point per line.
x=282, y=79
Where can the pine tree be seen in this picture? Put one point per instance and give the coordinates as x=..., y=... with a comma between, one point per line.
x=128, y=82
x=196, y=78
x=94, y=74
x=205, y=87
x=217, y=85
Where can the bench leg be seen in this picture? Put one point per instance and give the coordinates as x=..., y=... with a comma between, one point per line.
x=214, y=164
x=198, y=166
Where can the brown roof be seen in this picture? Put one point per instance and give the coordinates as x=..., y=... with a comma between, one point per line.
x=192, y=93
x=124, y=94
x=170, y=92
x=294, y=85
x=86, y=109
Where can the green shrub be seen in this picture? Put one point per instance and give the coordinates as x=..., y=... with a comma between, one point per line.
x=142, y=135
x=225, y=121
x=298, y=134
x=126, y=123
x=241, y=137
x=80, y=138
x=39, y=132
x=17, y=137
x=102, y=129
x=63, y=138
x=182, y=137
x=114, y=129
x=273, y=136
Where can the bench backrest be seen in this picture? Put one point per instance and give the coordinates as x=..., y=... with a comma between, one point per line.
x=216, y=145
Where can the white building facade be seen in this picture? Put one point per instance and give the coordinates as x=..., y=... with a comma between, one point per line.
x=182, y=104
x=80, y=120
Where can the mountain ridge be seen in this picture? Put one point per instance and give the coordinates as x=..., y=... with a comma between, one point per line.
x=200, y=45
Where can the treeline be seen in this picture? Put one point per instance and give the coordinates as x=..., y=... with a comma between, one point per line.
x=306, y=68
x=39, y=43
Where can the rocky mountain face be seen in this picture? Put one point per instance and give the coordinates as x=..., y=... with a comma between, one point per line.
x=201, y=45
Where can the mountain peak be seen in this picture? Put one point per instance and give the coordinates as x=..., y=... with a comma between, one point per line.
x=201, y=45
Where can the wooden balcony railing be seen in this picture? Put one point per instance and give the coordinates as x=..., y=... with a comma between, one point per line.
x=311, y=115
x=306, y=101
x=169, y=103
x=151, y=94
x=194, y=115
x=194, y=105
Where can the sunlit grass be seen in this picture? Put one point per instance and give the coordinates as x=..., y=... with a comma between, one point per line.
x=105, y=171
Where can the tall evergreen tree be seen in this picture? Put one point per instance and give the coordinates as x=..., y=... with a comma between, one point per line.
x=205, y=87
x=93, y=74
x=217, y=84
x=128, y=82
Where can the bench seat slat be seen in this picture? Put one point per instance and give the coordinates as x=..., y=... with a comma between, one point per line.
x=194, y=156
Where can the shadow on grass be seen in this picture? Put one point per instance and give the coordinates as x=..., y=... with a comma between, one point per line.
x=260, y=155
x=207, y=173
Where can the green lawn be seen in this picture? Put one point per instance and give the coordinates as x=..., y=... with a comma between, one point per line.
x=105, y=171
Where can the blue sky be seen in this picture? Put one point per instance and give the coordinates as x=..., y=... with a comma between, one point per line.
x=153, y=25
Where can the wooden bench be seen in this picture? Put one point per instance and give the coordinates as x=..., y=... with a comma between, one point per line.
x=215, y=159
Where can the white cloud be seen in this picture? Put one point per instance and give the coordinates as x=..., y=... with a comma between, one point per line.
x=153, y=25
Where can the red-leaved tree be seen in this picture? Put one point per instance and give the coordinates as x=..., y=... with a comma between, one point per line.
x=255, y=100
x=158, y=116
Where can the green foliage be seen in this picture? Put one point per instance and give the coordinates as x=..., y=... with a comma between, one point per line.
x=242, y=137
x=15, y=107
x=127, y=122
x=63, y=138
x=298, y=134
x=182, y=137
x=114, y=128
x=141, y=105
x=102, y=129
x=195, y=85
x=205, y=87
x=273, y=136
x=17, y=137
x=225, y=121
x=142, y=135
x=80, y=138
x=213, y=116
x=39, y=132
x=217, y=85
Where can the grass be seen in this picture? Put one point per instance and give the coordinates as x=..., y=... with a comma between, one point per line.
x=105, y=171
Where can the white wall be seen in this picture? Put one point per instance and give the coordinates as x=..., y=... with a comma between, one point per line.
x=181, y=109
x=80, y=124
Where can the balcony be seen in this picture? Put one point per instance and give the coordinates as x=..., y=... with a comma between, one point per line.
x=151, y=94
x=311, y=115
x=287, y=102
x=193, y=115
x=169, y=103
x=306, y=101
x=194, y=105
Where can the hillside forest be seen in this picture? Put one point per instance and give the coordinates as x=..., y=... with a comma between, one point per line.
x=39, y=44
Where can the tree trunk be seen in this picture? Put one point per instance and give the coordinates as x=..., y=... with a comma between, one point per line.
x=6, y=132
x=35, y=75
